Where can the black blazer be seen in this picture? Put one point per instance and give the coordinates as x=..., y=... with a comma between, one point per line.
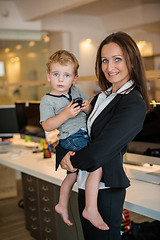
x=111, y=132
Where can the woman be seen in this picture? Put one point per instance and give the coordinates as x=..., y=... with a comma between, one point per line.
x=117, y=117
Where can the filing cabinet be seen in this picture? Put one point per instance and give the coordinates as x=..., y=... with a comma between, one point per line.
x=43, y=223
x=31, y=205
x=47, y=212
x=39, y=208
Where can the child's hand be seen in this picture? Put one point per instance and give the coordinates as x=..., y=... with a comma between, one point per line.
x=72, y=110
x=86, y=106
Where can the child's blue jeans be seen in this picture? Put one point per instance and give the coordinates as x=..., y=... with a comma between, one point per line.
x=75, y=141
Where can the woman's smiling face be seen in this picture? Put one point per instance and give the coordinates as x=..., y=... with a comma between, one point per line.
x=114, y=65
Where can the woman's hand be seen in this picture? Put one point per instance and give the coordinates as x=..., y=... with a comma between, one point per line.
x=66, y=163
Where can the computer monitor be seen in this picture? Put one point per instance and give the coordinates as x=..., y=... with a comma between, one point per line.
x=28, y=116
x=146, y=145
x=8, y=121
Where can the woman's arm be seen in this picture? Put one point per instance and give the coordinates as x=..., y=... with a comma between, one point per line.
x=125, y=124
x=114, y=136
x=60, y=153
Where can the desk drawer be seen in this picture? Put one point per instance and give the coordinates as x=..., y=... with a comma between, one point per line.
x=39, y=202
x=31, y=207
x=47, y=212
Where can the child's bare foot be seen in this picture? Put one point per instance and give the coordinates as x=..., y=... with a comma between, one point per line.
x=95, y=218
x=64, y=213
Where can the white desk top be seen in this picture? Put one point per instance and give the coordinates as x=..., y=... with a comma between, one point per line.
x=142, y=197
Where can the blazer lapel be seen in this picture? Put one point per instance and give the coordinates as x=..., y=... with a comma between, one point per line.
x=107, y=109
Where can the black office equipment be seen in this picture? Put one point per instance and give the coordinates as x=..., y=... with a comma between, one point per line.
x=28, y=116
x=147, y=142
x=8, y=121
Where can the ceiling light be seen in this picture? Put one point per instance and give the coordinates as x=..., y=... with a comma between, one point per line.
x=7, y=50
x=14, y=59
x=31, y=43
x=17, y=59
x=86, y=44
x=46, y=38
x=18, y=47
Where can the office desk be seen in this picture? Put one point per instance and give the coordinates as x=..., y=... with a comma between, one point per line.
x=142, y=197
x=41, y=192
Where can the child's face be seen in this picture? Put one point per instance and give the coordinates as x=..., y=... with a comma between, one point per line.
x=61, y=78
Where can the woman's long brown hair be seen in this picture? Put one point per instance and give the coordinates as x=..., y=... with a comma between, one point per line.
x=133, y=60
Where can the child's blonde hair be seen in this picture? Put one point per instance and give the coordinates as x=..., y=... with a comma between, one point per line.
x=63, y=57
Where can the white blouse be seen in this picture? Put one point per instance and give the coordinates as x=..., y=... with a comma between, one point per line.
x=103, y=100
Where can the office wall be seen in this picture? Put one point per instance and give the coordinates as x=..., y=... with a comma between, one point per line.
x=80, y=27
x=70, y=31
x=11, y=18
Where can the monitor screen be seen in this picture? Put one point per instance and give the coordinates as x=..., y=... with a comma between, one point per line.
x=8, y=121
x=28, y=116
x=147, y=142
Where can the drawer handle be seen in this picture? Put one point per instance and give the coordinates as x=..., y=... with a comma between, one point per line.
x=33, y=218
x=47, y=220
x=45, y=188
x=32, y=209
x=29, y=179
x=34, y=227
x=45, y=198
x=48, y=230
x=31, y=199
x=31, y=189
x=46, y=209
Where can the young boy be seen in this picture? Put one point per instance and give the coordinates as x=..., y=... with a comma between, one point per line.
x=58, y=111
